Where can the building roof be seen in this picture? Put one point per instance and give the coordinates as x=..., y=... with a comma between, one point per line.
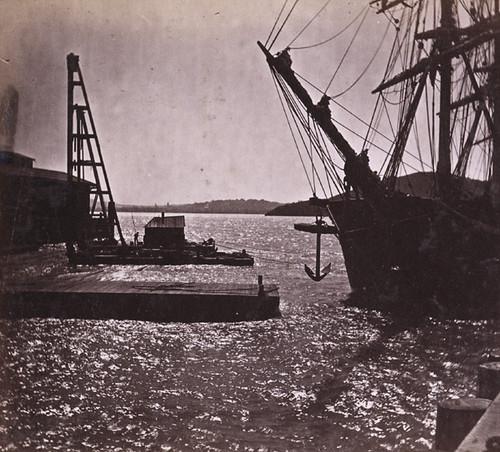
x=8, y=157
x=38, y=173
x=176, y=222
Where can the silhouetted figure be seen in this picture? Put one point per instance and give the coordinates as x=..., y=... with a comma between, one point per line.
x=352, y=172
x=363, y=158
x=285, y=57
x=350, y=179
x=136, y=239
x=323, y=106
x=348, y=185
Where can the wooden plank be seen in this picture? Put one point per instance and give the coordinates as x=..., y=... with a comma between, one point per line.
x=486, y=431
x=87, y=286
x=143, y=300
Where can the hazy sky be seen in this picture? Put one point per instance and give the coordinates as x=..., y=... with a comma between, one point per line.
x=184, y=103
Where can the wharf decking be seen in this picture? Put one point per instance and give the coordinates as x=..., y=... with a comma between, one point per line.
x=139, y=300
x=485, y=436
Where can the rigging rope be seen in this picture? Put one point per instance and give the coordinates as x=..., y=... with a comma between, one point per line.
x=283, y=24
x=298, y=115
x=276, y=22
x=324, y=156
x=291, y=131
x=430, y=126
x=347, y=51
x=236, y=246
x=345, y=109
x=369, y=125
x=319, y=134
x=367, y=67
x=309, y=23
x=370, y=135
x=365, y=123
x=333, y=37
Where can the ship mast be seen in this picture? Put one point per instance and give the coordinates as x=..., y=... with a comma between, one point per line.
x=495, y=182
x=445, y=43
x=364, y=178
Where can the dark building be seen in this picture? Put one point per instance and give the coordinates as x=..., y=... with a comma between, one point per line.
x=166, y=232
x=34, y=204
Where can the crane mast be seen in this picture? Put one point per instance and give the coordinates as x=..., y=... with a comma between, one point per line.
x=85, y=162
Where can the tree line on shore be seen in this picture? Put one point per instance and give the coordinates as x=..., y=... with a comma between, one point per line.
x=417, y=184
x=246, y=206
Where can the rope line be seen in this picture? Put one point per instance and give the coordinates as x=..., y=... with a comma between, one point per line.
x=309, y=23
x=256, y=251
x=368, y=125
x=367, y=66
x=346, y=109
x=333, y=37
x=283, y=24
x=291, y=131
x=347, y=51
x=276, y=22
x=294, y=107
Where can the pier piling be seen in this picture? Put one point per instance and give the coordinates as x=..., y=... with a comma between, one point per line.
x=455, y=419
x=489, y=380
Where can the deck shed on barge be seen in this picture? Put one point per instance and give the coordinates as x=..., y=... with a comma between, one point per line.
x=165, y=232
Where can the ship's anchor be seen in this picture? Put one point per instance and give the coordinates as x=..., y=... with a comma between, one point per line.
x=320, y=274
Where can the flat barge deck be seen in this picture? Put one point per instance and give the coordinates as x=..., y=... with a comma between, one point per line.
x=131, y=255
x=139, y=300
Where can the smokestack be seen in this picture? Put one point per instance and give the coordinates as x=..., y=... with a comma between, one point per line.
x=8, y=117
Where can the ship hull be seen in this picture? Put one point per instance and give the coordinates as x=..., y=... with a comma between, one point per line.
x=429, y=255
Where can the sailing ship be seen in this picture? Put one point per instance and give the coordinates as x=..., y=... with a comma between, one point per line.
x=438, y=249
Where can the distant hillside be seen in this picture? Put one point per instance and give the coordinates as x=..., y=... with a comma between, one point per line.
x=295, y=209
x=248, y=206
x=423, y=184
x=420, y=184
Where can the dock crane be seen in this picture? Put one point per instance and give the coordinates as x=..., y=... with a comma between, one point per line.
x=85, y=163
x=91, y=212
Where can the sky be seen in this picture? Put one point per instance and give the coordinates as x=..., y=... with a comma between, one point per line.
x=183, y=101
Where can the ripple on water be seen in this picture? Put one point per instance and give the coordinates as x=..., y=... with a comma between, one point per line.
x=323, y=376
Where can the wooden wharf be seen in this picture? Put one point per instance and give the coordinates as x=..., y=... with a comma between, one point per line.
x=485, y=436
x=139, y=300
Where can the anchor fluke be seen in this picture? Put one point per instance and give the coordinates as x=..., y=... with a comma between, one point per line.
x=327, y=269
x=317, y=277
x=318, y=228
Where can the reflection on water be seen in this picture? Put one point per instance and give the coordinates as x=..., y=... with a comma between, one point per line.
x=324, y=376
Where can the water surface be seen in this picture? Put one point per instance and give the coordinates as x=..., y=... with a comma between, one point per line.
x=324, y=376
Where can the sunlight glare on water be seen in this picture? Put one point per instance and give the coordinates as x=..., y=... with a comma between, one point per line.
x=324, y=376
